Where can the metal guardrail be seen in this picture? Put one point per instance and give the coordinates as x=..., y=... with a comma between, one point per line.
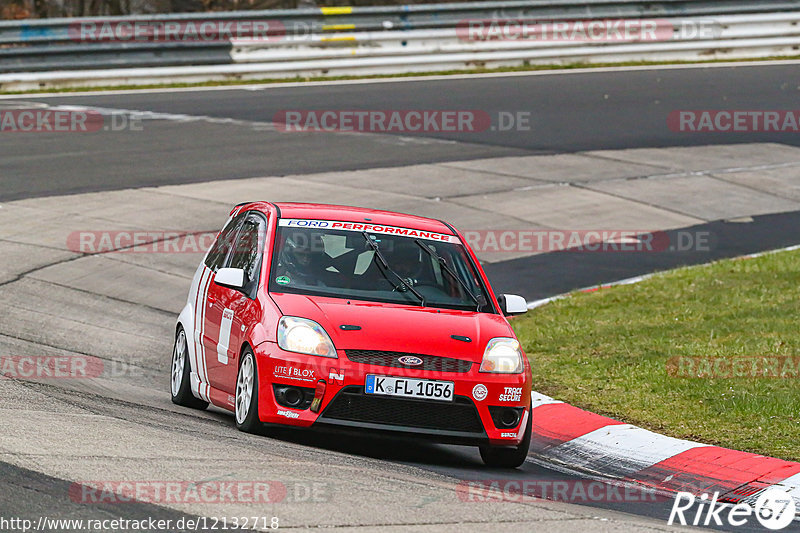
x=390, y=39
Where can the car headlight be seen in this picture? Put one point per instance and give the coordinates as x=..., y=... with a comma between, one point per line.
x=502, y=356
x=302, y=335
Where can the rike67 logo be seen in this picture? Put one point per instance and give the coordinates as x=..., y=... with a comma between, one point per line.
x=774, y=509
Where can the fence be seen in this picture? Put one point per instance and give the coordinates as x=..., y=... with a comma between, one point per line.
x=385, y=40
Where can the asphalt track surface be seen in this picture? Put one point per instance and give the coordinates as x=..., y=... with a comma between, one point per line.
x=573, y=112
x=556, y=273
x=569, y=113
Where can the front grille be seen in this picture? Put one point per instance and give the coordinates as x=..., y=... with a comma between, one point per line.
x=353, y=405
x=429, y=362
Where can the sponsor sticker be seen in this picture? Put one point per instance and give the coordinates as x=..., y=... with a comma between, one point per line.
x=511, y=394
x=479, y=392
x=283, y=280
x=300, y=374
x=370, y=228
x=288, y=414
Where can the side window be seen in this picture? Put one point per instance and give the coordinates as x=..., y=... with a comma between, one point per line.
x=248, y=252
x=219, y=251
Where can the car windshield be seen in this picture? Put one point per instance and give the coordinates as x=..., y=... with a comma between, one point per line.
x=375, y=266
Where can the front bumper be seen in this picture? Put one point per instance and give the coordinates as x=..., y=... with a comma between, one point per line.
x=466, y=420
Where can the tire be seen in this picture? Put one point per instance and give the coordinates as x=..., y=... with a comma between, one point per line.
x=504, y=457
x=180, y=382
x=246, y=401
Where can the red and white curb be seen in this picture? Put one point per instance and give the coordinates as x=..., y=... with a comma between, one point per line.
x=566, y=435
x=581, y=440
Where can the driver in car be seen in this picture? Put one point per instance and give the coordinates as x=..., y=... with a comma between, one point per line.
x=406, y=260
x=304, y=261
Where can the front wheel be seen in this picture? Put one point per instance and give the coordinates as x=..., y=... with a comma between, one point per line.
x=502, y=457
x=247, y=394
x=180, y=381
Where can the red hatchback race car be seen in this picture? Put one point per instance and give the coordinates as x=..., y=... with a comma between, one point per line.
x=332, y=316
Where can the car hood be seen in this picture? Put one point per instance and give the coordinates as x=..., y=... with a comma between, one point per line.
x=398, y=328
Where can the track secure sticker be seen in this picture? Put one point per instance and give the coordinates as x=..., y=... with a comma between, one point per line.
x=283, y=280
x=479, y=392
x=511, y=394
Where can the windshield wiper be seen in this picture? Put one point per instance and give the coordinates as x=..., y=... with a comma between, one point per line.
x=386, y=268
x=446, y=268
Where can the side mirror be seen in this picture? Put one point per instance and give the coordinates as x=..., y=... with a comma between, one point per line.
x=233, y=278
x=511, y=304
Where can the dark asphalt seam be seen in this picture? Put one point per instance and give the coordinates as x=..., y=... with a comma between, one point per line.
x=754, y=189
x=170, y=314
x=514, y=189
x=449, y=164
x=640, y=202
x=73, y=351
x=56, y=315
x=150, y=268
x=21, y=275
x=495, y=213
x=43, y=246
x=625, y=161
x=95, y=401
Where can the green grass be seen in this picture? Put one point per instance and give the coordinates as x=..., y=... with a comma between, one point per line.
x=607, y=352
x=476, y=70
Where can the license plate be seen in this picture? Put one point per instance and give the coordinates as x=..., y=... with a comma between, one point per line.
x=409, y=387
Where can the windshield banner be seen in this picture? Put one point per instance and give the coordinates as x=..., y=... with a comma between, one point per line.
x=370, y=228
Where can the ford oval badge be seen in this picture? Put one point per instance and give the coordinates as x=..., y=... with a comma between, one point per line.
x=410, y=360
